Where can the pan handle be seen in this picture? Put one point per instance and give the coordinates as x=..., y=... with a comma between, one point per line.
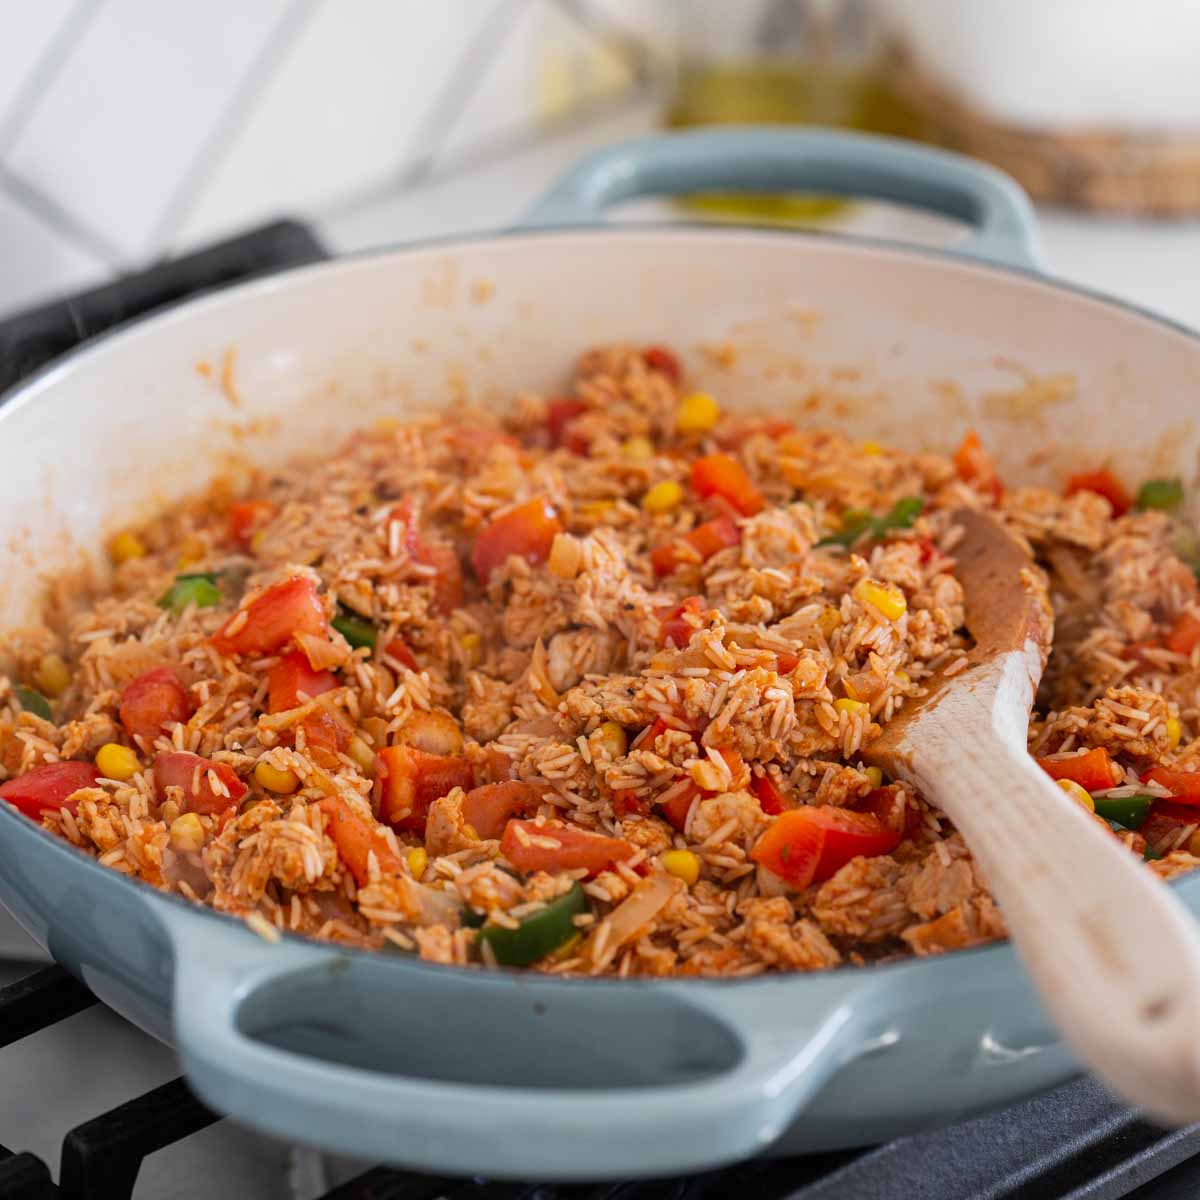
x=268, y=1033
x=768, y=159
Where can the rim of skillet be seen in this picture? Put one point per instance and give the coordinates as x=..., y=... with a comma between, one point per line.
x=28, y=390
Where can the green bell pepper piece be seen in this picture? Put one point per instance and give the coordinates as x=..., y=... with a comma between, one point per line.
x=1127, y=811
x=34, y=702
x=856, y=523
x=199, y=589
x=1166, y=495
x=539, y=934
x=356, y=630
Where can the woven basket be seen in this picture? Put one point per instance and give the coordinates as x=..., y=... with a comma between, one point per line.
x=1109, y=171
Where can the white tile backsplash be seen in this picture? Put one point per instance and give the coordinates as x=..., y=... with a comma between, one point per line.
x=546, y=66
x=29, y=31
x=39, y=264
x=347, y=109
x=120, y=127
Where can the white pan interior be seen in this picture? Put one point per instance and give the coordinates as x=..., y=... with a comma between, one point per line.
x=885, y=343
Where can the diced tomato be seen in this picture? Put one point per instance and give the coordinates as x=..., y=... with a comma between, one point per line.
x=1105, y=484
x=573, y=848
x=408, y=781
x=786, y=663
x=398, y=649
x=488, y=809
x=674, y=630
x=292, y=681
x=178, y=768
x=1136, y=651
x=325, y=738
x=675, y=810
x=528, y=531
x=246, y=517
x=559, y=416
x=1184, y=786
x=151, y=700
x=447, y=580
x=811, y=844
x=1185, y=633
x=273, y=618
x=771, y=798
x=889, y=805
x=659, y=358
x=705, y=540
x=48, y=787
x=1164, y=821
x=1093, y=771
x=722, y=475
x=627, y=803
x=355, y=839
x=974, y=465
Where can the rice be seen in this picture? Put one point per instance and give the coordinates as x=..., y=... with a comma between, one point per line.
x=741, y=670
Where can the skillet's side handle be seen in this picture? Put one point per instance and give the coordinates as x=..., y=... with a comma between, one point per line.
x=770, y=159
x=250, y=1050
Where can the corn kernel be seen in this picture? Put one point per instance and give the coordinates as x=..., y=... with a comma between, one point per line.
x=683, y=864
x=192, y=552
x=257, y=541
x=885, y=598
x=52, y=676
x=663, y=497
x=114, y=761
x=829, y=620
x=387, y=425
x=697, y=413
x=1174, y=732
x=362, y=753
x=902, y=677
x=1078, y=793
x=872, y=448
x=874, y=776
x=418, y=860
x=595, y=510
x=612, y=738
x=125, y=547
x=850, y=707
x=637, y=448
x=472, y=646
x=187, y=833
x=275, y=780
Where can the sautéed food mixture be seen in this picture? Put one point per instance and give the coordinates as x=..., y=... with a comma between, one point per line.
x=586, y=689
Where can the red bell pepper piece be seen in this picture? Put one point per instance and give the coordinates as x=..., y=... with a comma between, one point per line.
x=1093, y=771
x=659, y=358
x=975, y=466
x=355, y=839
x=1105, y=484
x=408, y=781
x=560, y=414
x=1184, y=786
x=674, y=629
x=246, y=517
x=722, y=475
x=489, y=808
x=573, y=848
x=771, y=798
x=811, y=844
x=705, y=540
x=1185, y=633
x=49, y=787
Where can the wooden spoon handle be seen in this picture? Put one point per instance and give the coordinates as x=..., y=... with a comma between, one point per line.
x=1112, y=952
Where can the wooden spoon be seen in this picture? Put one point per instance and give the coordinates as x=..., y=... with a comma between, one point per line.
x=1113, y=954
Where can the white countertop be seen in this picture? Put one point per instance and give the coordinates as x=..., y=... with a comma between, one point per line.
x=1153, y=264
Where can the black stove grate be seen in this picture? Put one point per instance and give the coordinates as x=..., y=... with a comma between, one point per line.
x=1075, y=1143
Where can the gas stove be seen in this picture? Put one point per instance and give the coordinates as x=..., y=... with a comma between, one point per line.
x=94, y=1108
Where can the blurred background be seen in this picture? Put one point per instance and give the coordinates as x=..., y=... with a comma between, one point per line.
x=134, y=129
